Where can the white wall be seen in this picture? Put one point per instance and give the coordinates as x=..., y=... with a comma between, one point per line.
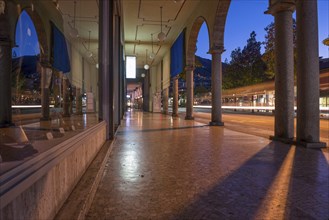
x=76, y=68
x=166, y=70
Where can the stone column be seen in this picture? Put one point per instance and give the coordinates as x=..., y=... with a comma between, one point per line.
x=216, y=86
x=308, y=119
x=78, y=101
x=106, y=32
x=165, y=100
x=146, y=92
x=175, y=97
x=5, y=71
x=46, y=73
x=189, y=90
x=284, y=71
x=66, y=97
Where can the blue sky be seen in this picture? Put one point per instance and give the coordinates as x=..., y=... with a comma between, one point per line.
x=246, y=16
x=26, y=37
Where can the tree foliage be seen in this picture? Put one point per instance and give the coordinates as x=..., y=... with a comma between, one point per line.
x=246, y=66
x=269, y=44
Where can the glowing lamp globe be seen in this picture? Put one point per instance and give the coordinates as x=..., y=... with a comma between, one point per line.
x=146, y=66
x=152, y=56
x=74, y=33
x=161, y=36
x=89, y=54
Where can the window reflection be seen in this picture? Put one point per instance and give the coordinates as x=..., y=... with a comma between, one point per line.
x=25, y=76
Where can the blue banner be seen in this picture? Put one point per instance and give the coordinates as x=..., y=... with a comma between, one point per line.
x=177, y=54
x=60, y=54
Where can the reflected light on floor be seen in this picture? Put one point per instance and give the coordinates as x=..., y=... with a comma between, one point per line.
x=275, y=202
x=84, y=119
x=129, y=163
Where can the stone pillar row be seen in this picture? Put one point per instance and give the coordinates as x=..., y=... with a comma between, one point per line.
x=5, y=71
x=46, y=73
x=175, y=98
x=165, y=96
x=308, y=115
x=216, y=86
x=189, y=81
x=284, y=72
x=308, y=85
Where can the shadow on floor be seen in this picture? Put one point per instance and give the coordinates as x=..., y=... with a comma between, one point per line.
x=279, y=182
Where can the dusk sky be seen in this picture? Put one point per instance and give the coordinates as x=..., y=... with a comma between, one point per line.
x=246, y=16
x=26, y=37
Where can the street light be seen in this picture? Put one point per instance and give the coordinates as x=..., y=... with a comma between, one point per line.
x=2, y=7
x=326, y=41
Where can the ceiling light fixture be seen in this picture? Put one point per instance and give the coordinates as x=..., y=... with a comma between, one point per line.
x=2, y=7
x=32, y=6
x=178, y=1
x=326, y=41
x=146, y=66
x=74, y=32
x=152, y=54
x=161, y=35
x=89, y=53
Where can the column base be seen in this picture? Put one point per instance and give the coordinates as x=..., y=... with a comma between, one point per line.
x=216, y=123
x=174, y=115
x=312, y=144
x=7, y=125
x=189, y=118
x=45, y=119
x=283, y=140
x=293, y=141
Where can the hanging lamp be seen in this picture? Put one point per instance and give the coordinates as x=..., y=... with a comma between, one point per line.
x=74, y=32
x=161, y=36
x=89, y=53
x=2, y=6
x=152, y=54
x=32, y=6
x=146, y=66
x=326, y=41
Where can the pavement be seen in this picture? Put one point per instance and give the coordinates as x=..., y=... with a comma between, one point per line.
x=164, y=167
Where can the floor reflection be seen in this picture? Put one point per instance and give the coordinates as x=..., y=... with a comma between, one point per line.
x=160, y=169
x=21, y=143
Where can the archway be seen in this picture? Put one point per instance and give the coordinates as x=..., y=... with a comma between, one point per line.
x=190, y=63
x=25, y=56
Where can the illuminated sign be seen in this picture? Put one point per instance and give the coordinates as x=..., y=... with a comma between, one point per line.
x=130, y=67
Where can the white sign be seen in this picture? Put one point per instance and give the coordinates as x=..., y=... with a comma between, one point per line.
x=130, y=67
x=61, y=130
x=49, y=136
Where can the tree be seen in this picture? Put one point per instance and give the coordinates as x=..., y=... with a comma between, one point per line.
x=246, y=66
x=269, y=43
x=254, y=66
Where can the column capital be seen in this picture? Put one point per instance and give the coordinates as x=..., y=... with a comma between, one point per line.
x=276, y=6
x=6, y=42
x=189, y=68
x=216, y=49
x=45, y=64
x=174, y=78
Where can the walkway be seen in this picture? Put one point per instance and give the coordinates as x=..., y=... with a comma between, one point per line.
x=169, y=168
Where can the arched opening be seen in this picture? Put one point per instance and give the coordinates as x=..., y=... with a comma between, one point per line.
x=194, y=65
x=25, y=55
x=202, y=71
x=244, y=58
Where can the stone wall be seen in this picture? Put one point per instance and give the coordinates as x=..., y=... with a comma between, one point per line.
x=38, y=188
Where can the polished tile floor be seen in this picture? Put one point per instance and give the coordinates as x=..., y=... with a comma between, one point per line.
x=169, y=168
